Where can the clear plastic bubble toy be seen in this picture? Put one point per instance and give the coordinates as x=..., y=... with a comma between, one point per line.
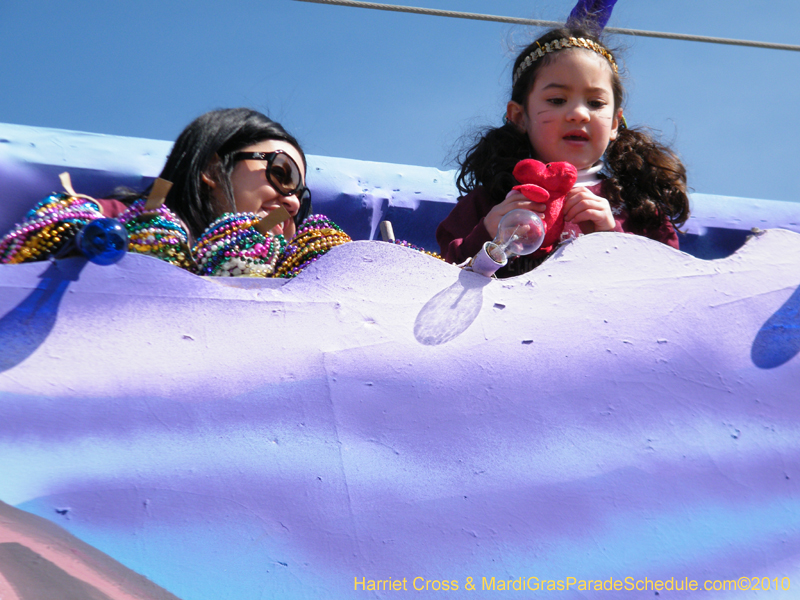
x=520, y=232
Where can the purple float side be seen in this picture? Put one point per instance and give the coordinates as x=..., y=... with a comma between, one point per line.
x=388, y=416
x=624, y=411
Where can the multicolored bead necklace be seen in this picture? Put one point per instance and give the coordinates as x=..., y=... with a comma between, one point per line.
x=47, y=228
x=232, y=246
x=417, y=248
x=316, y=236
x=159, y=233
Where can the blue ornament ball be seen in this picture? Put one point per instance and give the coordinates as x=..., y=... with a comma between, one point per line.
x=103, y=241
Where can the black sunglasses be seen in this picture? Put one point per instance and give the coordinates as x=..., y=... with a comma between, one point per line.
x=282, y=173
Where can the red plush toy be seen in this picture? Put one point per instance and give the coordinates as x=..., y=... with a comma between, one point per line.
x=547, y=184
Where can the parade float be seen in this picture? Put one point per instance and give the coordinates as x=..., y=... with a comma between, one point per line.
x=386, y=424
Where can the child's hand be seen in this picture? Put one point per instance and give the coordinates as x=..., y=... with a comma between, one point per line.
x=591, y=213
x=514, y=200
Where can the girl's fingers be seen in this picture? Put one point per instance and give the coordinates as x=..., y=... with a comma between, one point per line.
x=536, y=207
x=571, y=214
x=513, y=195
x=580, y=200
x=513, y=201
x=601, y=218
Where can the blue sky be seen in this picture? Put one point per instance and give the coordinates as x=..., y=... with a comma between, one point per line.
x=401, y=88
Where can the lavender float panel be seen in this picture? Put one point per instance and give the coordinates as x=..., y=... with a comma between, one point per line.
x=356, y=194
x=624, y=410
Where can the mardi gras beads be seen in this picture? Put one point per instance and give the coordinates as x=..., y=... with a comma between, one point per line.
x=316, y=236
x=48, y=228
x=157, y=232
x=417, y=248
x=232, y=246
x=387, y=233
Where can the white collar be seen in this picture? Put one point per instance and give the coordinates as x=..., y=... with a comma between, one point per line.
x=590, y=176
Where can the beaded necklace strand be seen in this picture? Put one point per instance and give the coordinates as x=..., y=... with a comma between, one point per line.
x=316, y=236
x=417, y=248
x=159, y=233
x=232, y=246
x=47, y=228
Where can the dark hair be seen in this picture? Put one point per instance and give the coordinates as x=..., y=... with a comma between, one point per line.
x=644, y=175
x=211, y=140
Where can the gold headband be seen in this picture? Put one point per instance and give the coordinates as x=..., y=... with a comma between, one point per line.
x=562, y=44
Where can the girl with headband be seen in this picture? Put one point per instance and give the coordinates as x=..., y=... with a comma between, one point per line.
x=566, y=106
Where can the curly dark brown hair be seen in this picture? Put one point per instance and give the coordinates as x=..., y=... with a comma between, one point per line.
x=644, y=175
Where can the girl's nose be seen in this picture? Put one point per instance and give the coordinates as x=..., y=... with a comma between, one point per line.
x=291, y=203
x=578, y=113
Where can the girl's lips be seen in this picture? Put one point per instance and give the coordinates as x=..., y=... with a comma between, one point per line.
x=576, y=136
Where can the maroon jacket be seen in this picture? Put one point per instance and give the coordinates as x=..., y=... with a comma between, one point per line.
x=462, y=234
x=112, y=208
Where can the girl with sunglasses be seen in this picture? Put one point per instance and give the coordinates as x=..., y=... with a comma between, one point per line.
x=234, y=161
x=229, y=169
